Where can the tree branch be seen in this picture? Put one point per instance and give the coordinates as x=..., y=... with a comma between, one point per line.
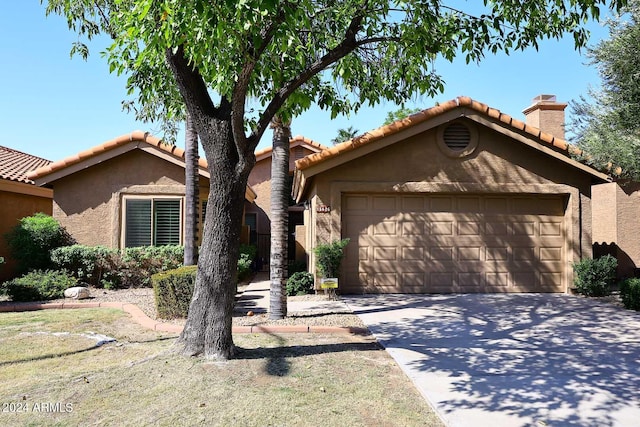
x=346, y=46
x=242, y=85
x=190, y=83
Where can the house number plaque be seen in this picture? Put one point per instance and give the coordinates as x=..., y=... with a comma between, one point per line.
x=323, y=209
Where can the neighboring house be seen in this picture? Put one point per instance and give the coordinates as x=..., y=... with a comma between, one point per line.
x=125, y=192
x=456, y=198
x=258, y=215
x=19, y=197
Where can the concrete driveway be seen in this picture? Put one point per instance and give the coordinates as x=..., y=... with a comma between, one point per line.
x=513, y=360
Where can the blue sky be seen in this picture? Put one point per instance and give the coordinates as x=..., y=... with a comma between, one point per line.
x=53, y=106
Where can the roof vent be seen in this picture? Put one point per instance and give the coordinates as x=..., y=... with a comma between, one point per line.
x=457, y=136
x=457, y=139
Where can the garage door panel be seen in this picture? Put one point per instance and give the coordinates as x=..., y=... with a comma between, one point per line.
x=413, y=228
x=412, y=253
x=449, y=243
x=499, y=279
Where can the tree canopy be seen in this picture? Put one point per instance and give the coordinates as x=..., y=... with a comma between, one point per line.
x=607, y=123
x=400, y=113
x=283, y=56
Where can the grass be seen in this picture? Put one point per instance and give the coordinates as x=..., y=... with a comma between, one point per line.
x=283, y=380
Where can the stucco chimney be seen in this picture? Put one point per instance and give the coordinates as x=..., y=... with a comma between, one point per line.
x=546, y=114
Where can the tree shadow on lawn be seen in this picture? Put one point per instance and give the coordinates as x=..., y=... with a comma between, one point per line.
x=560, y=359
x=277, y=358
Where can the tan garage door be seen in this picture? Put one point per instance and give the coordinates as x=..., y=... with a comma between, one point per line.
x=453, y=243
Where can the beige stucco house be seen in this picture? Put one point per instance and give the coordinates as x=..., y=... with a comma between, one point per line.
x=19, y=197
x=457, y=198
x=126, y=192
x=258, y=214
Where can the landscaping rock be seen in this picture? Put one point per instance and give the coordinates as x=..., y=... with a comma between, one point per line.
x=77, y=292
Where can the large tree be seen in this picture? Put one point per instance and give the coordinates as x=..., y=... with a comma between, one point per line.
x=284, y=56
x=606, y=125
x=399, y=114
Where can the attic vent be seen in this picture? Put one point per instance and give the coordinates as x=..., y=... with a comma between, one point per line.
x=457, y=136
x=298, y=153
x=457, y=139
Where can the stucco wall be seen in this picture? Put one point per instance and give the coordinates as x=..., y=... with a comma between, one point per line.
x=417, y=164
x=605, y=225
x=13, y=207
x=88, y=203
x=616, y=220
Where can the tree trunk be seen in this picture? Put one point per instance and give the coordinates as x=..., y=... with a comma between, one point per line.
x=279, y=218
x=208, y=327
x=192, y=193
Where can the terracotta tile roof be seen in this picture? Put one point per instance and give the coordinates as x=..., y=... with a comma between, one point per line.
x=295, y=141
x=109, y=145
x=135, y=136
x=422, y=116
x=14, y=164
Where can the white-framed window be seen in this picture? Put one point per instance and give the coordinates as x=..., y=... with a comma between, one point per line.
x=152, y=221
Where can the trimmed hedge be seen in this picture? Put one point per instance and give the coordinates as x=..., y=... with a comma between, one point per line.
x=173, y=290
x=39, y=285
x=630, y=293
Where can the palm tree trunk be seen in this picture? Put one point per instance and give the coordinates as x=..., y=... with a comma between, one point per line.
x=279, y=218
x=192, y=193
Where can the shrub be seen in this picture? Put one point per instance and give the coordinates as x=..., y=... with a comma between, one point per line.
x=245, y=261
x=594, y=277
x=329, y=257
x=95, y=265
x=33, y=238
x=300, y=283
x=39, y=285
x=139, y=264
x=173, y=290
x=630, y=293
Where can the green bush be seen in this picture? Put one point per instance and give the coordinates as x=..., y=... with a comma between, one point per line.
x=173, y=290
x=329, y=257
x=594, y=277
x=245, y=262
x=630, y=293
x=31, y=241
x=300, y=283
x=139, y=264
x=39, y=285
x=95, y=265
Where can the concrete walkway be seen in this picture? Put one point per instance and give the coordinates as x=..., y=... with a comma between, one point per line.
x=513, y=360
x=255, y=297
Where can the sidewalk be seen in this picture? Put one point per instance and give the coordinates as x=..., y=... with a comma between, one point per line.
x=255, y=297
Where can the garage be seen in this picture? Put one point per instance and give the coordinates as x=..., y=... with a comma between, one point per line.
x=459, y=198
x=454, y=243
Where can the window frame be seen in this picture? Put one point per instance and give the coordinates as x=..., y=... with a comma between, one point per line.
x=152, y=198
